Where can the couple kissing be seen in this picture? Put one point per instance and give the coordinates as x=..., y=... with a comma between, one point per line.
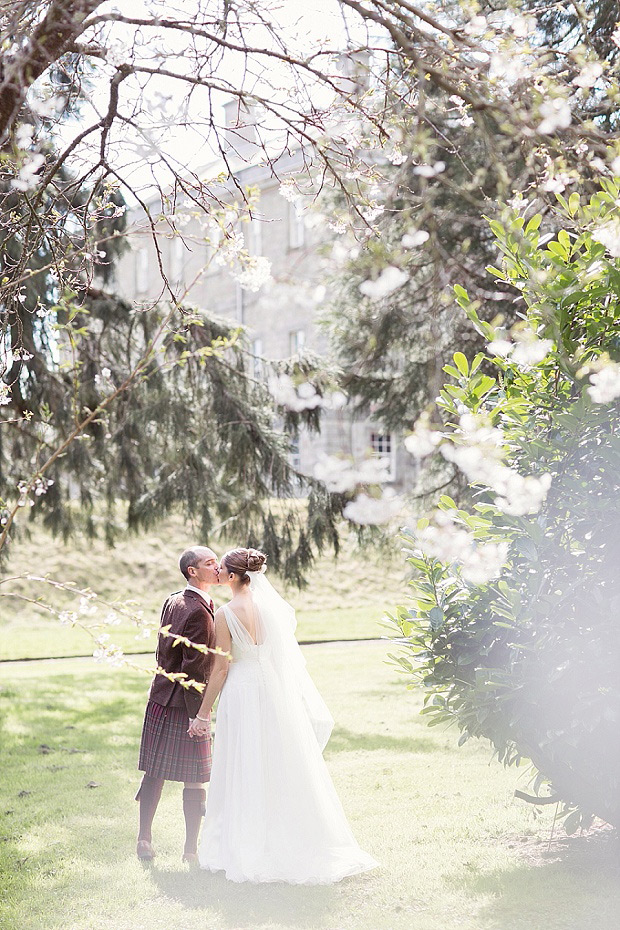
x=273, y=813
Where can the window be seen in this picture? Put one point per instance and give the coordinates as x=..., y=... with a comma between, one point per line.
x=296, y=226
x=383, y=446
x=254, y=237
x=176, y=260
x=296, y=341
x=142, y=270
x=258, y=365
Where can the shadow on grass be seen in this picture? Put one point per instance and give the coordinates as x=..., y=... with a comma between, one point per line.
x=68, y=823
x=575, y=884
x=243, y=905
x=343, y=740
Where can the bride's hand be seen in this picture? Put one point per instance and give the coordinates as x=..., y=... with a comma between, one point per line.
x=197, y=728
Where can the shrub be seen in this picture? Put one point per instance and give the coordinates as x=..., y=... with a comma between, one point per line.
x=514, y=626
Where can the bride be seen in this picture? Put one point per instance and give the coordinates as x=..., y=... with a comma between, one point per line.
x=273, y=813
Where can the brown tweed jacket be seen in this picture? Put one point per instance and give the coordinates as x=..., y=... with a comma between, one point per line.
x=187, y=615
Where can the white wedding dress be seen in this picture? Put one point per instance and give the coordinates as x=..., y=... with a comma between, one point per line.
x=273, y=813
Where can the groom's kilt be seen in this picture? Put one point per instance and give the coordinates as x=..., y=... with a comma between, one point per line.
x=166, y=751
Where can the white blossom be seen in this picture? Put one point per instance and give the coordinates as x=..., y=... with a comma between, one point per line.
x=519, y=494
x=529, y=349
x=589, y=74
x=86, y=608
x=429, y=171
x=304, y=397
x=112, y=618
x=423, y=440
x=526, y=350
x=371, y=214
x=340, y=474
x=443, y=540
x=501, y=347
x=230, y=248
x=289, y=190
x=605, y=384
x=41, y=486
x=557, y=183
x=255, y=272
x=508, y=66
x=390, y=279
x=480, y=456
x=396, y=156
x=45, y=108
x=476, y=26
x=21, y=355
x=68, y=617
x=5, y=394
x=336, y=473
x=414, y=238
x=23, y=136
x=27, y=176
x=108, y=652
x=615, y=165
x=367, y=510
x=556, y=114
x=335, y=400
x=609, y=235
x=522, y=25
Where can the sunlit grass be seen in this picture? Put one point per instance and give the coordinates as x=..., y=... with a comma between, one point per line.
x=345, y=598
x=442, y=821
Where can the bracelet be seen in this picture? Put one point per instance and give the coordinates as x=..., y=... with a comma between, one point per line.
x=204, y=719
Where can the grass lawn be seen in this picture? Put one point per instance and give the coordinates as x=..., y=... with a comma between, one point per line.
x=457, y=852
x=345, y=598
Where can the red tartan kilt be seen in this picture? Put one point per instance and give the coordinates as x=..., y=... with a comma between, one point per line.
x=166, y=751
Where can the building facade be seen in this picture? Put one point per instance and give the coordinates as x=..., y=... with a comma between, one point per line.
x=281, y=318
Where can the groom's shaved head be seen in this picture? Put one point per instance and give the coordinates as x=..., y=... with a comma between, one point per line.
x=191, y=557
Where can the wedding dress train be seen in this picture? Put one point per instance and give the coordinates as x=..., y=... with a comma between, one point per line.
x=273, y=813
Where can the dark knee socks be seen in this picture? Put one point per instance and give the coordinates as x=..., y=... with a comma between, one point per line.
x=194, y=810
x=148, y=795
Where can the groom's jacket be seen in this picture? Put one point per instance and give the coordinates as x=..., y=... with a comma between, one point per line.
x=187, y=615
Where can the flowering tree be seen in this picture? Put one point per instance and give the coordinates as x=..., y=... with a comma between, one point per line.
x=447, y=161
x=513, y=623
x=99, y=396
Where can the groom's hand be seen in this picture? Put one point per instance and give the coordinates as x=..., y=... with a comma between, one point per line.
x=196, y=728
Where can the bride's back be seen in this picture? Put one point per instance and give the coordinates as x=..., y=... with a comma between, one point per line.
x=245, y=613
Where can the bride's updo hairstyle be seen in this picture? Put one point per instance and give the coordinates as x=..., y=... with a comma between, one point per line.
x=242, y=561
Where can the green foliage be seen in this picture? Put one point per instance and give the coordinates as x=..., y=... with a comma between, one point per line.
x=529, y=660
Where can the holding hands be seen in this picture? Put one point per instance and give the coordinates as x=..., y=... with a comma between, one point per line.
x=199, y=726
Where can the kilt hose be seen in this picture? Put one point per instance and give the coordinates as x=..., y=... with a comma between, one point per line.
x=166, y=751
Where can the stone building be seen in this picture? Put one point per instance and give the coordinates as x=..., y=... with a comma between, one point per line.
x=282, y=317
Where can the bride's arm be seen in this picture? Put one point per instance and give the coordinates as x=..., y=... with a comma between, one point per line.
x=219, y=671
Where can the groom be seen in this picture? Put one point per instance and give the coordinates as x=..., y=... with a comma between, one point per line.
x=166, y=751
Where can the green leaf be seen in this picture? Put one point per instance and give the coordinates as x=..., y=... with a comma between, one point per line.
x=461, y=292
x=533, y=223
x=461, y=363
x=436, y=618
x=447, y=502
